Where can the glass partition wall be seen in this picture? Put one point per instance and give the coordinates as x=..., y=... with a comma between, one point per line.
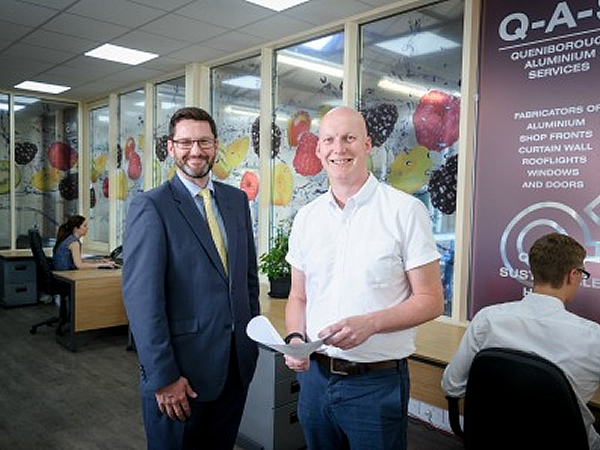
x=5, y=172
x=46, y=156
x=410, y=76
x=98, y=218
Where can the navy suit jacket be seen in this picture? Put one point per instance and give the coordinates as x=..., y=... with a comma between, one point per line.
x=181, y=305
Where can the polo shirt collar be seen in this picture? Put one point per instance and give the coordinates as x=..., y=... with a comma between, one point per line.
x=365, y=193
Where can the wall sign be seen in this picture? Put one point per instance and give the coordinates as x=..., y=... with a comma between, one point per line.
x=537, y=167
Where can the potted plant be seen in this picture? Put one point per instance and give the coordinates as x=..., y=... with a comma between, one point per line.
x=274, y=265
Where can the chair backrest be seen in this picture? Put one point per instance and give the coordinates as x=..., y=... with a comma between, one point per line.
x=519, y=400
x=43, y=265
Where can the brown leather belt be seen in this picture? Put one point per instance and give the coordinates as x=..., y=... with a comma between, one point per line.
x=343, y=367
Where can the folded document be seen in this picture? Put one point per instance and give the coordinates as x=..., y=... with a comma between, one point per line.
x=262, y=331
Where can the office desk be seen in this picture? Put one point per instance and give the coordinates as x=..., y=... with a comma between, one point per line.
x=436, y=343
x=95, y=302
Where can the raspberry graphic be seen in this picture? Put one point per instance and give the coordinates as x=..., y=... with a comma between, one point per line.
x=160, y=148
x=381, y=120
x=306, y=161
x=442, y=186
x=275, y=137
x=25, y=152
x=436, y=120
x=69, y=186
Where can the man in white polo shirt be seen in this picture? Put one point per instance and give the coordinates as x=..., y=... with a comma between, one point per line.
x=365, y=268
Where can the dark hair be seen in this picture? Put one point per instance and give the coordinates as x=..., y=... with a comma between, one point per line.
x=66, y=229
x=191, y=113
x=553, y=256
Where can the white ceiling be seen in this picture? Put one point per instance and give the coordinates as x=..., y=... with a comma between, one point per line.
x=44, y=40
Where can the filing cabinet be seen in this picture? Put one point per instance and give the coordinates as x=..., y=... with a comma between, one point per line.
x=18, y=281
x=270, y=421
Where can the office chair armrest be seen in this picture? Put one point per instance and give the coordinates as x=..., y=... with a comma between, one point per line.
x=454, y=415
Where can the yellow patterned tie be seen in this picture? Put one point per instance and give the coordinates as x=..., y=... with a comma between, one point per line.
x=213, y=226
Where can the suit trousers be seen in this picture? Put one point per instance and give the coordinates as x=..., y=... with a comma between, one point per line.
x=212, y=425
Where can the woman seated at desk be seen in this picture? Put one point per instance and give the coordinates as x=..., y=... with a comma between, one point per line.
x=67, y=250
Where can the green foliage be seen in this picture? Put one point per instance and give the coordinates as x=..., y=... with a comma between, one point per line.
x=273, y=263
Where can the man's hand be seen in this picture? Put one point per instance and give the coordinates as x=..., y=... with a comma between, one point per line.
x=172, y=400
x=297, y=365
x=348, y=333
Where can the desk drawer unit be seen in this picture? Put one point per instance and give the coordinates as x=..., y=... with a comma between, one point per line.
x=270, y=421
x=18, y=278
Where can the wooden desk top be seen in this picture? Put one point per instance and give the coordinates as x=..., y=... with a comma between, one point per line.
x=22, y=253
x=87, y=274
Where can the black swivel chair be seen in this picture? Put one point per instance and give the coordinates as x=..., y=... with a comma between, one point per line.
x=518, y=400
x=47, y=283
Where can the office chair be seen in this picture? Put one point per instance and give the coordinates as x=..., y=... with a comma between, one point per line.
x=518, y=400
x=46, y=282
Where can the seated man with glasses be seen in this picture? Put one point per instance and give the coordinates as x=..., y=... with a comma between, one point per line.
x=540, y=323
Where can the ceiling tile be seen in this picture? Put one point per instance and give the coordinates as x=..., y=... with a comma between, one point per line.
x=51, y=39
x=183, y=28
x=275, y=28
x=25, y=13
x=44, y=54
x=13, y=31
x=119, y=12
x=233, y=41
x=83, y=27
x=228, y=13
x=197, y=53
x=141, y=40
x=323, y=12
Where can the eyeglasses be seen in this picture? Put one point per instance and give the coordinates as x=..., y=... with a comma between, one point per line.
x=187, y=144
x=584, y=273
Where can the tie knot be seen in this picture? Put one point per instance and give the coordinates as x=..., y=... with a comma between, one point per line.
x=205, y=194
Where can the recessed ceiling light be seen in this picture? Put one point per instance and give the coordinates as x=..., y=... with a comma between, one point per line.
x=277, y=5
x=119, y=54
x=418, y=44
x=42, y=87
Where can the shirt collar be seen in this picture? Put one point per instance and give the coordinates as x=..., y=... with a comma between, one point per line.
x=547, y=300
x=364, y=194
x=194, y=189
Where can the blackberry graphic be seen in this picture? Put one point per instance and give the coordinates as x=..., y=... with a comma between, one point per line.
x=275, y=137
x=25, y=152
x=381, y=120
x=92, y=197
x=69, y=186
x=119, y=156
x=160, y=148
x=442, y=186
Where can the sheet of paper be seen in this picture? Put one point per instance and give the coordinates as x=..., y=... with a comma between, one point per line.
x=262, y=331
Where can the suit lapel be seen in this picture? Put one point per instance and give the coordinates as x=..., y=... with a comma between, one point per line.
x=189, y=210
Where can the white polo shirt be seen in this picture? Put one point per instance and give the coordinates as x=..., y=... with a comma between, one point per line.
x=354, y=260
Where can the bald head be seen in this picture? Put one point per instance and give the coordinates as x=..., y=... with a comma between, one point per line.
x=348, y=115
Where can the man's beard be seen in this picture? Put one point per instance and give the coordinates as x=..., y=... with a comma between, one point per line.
x=190, y=172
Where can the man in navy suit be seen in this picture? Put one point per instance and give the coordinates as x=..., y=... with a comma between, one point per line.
x=188, y=308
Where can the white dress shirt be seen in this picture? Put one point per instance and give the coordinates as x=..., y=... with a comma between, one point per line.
x=539, y=324
x=354, y=261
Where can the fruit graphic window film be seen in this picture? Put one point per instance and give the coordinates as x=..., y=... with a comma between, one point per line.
x=46, y=166
x=236, y=105
x=168, y=98
x=308, y=84
x=98, y=217
x=4, y=172
x=128, y=177
x=410, y=77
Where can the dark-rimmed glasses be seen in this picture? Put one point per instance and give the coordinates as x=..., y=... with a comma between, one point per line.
x=584, y=273
x=187, y=144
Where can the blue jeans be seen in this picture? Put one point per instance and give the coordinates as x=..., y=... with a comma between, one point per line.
x=367, y=411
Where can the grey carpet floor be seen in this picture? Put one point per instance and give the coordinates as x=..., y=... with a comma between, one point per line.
x=53, y=399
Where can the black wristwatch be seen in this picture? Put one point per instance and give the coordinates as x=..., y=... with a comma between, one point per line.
x=293, y=335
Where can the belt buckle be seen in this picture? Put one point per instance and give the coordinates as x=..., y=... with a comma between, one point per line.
x=333, y=371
